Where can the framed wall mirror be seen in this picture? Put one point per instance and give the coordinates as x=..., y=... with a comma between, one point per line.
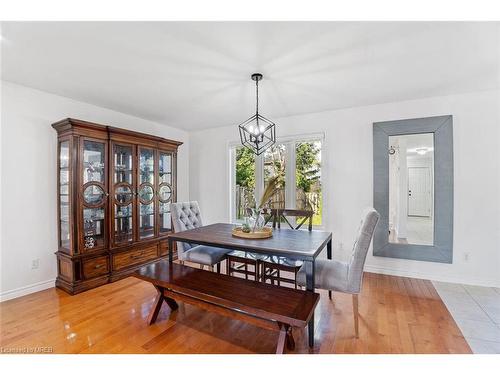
x=413, y=188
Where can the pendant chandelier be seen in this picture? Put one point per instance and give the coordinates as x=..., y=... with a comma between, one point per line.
x=257, y=133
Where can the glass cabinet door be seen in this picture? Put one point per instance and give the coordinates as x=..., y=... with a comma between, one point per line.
x=123, y=193
x=94, y=195
x=146, y=193
x=64, y=196
x=165, y=192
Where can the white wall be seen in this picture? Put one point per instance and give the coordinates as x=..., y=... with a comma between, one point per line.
x=348, y=181
x=28, y=194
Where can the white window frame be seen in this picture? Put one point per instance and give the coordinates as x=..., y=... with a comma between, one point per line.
x=290, y=183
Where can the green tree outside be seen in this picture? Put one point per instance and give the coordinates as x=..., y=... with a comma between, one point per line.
x=307, y=173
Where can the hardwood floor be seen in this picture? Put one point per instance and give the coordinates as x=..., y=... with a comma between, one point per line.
x=398, y=315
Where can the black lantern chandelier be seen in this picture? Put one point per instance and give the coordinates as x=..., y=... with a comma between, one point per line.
x=257, y=133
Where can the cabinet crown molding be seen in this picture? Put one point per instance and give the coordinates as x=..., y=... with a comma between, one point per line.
x=71, y=126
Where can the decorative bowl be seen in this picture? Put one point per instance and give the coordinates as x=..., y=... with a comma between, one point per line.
x=265, y=232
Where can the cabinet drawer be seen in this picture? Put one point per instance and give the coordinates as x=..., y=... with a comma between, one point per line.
x=95, y=267
x=130, y=258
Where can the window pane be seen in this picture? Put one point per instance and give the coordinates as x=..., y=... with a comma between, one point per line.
x=165, y=164
x=123, y=223
x=274, y=166
x=123, y=164
x=93, y=161
x=93, y=226
x=146, y=166
x=64, y=197
x=146, y=220
x=308, y=178
x=165, y=191
x=245, y=181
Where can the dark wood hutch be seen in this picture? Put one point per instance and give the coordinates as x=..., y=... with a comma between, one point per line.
x=114, y=189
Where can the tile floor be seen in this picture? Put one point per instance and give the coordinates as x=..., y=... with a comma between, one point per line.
x=420, y=230
x=476, y=310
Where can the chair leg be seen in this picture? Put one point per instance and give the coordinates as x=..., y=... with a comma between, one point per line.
x=218, y=267
x=228, y=264
x=330, y=294
x=356, y=314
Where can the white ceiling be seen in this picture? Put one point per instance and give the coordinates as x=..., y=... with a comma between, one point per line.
x=413, y=142
x=195, y=75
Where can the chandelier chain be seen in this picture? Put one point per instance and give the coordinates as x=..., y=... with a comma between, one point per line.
x=257, y=96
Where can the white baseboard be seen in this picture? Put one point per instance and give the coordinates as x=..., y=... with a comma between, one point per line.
x=28, y=289
x=419, y=275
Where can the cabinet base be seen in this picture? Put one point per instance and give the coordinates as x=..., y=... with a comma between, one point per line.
x=82, y=286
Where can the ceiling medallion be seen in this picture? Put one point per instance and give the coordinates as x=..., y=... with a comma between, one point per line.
x=257, y=133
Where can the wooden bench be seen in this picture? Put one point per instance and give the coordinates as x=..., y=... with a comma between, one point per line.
x=264, y=305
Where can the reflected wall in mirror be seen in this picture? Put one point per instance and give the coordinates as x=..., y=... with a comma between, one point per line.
x=411, y=189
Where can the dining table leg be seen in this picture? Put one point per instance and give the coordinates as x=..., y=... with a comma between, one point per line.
x=170, y=250
x=309, y=268
x=329, y=256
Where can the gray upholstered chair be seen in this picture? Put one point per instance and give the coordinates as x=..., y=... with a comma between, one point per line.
x=346, y=277
x=186, y=215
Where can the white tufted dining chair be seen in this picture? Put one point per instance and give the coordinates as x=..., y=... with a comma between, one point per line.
x=342, y=276
x=185, y=216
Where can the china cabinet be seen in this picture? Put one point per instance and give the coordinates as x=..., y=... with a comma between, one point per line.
x=114, y=187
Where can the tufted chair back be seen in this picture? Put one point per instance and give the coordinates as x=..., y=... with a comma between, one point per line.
x=367, y=226
x=185, y=216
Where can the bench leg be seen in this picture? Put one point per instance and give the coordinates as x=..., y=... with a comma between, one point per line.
x=280, y=348
x=171, y=303
x=153, y=314
x=158, y=302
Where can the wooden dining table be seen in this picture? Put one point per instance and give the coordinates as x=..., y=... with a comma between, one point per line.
x=294, y=244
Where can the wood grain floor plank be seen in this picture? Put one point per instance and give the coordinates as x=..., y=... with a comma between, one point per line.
x=397, y=315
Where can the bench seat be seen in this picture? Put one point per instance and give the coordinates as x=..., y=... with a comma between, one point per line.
x=264, y=305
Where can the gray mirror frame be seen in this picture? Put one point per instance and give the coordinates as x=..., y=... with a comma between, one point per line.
x=442, y=127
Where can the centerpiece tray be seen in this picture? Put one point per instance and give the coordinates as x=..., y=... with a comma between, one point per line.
x=265, y=232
